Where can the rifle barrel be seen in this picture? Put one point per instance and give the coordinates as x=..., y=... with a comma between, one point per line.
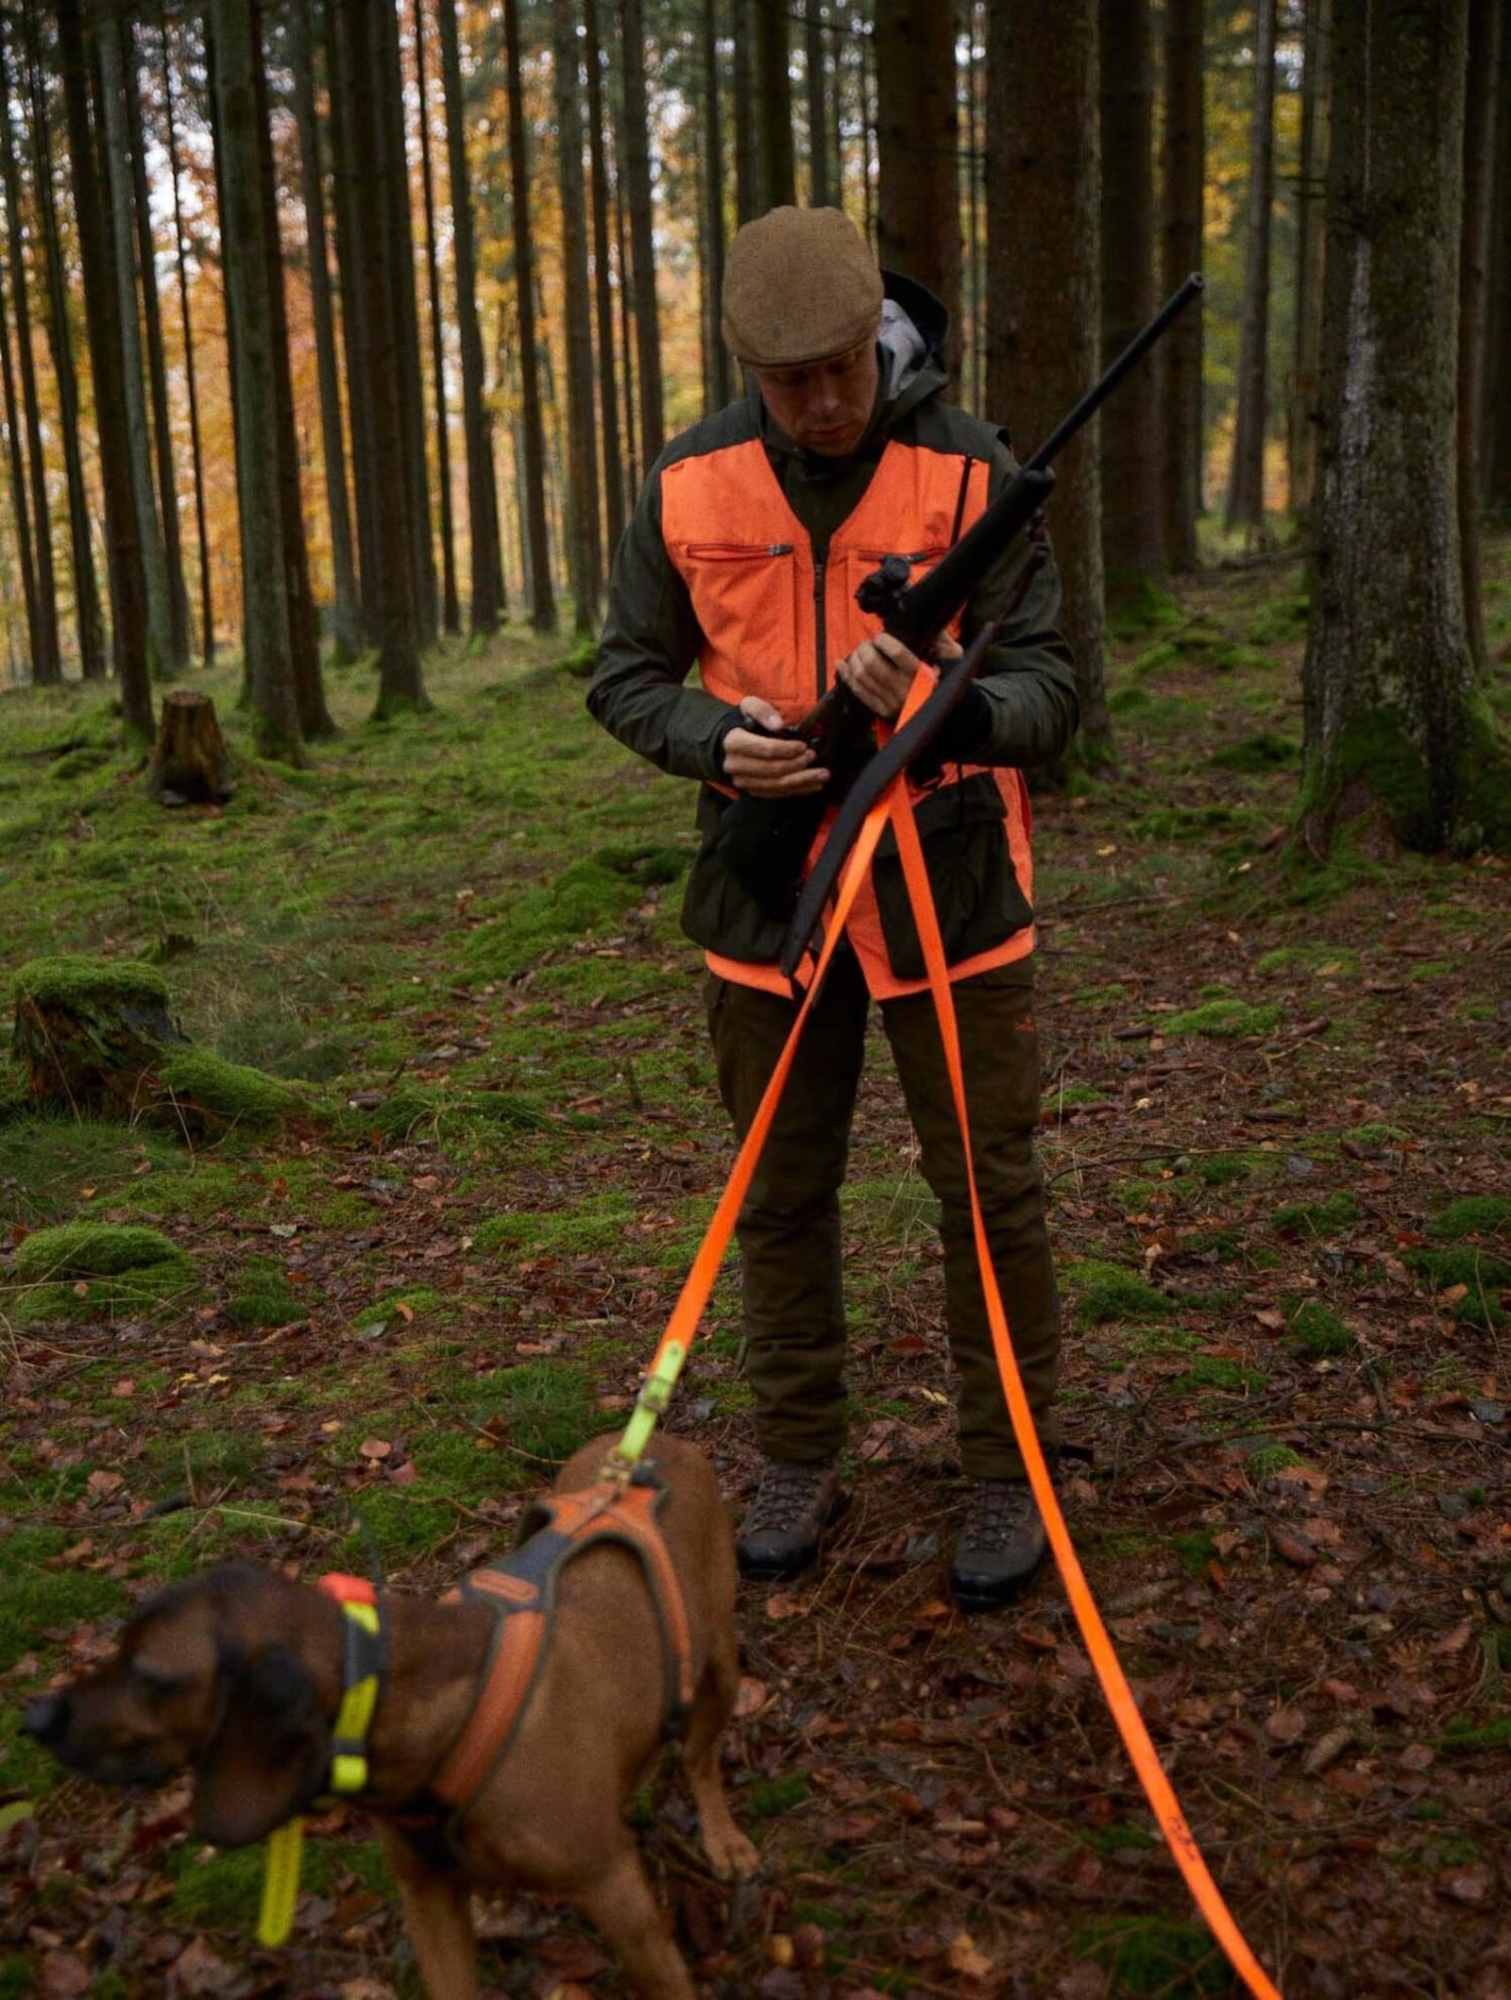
x=1130, y=357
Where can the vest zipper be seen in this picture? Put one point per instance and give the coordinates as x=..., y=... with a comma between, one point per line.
x=818, y=619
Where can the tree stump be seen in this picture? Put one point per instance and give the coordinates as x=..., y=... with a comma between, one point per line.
x=89, y=1030
x=190, y=765
x=96, y=1037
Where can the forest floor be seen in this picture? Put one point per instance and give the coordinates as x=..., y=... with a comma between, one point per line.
x=1276, y=1128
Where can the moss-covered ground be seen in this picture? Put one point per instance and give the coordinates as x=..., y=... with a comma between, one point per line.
x=1275, y=1131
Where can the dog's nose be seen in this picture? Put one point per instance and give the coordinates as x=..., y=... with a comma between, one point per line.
x=46, y=1718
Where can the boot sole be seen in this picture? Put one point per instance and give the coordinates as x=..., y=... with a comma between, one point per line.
x=972, y=1597
x=786, y=1569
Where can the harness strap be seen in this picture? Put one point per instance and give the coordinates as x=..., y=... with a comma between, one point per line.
x=521, y=1593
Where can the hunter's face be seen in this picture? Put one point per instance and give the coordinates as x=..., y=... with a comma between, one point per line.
x=826, y=406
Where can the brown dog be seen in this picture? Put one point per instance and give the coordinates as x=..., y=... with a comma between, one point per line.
x=237, y=1674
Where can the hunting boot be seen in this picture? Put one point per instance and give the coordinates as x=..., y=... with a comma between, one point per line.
x=780, y=1534
x=1002, y=1544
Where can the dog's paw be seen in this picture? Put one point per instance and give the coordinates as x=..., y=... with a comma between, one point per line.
x=731, y=1856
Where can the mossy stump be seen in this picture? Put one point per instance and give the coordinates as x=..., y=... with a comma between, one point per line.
x=96, y=1036
x=190, y=765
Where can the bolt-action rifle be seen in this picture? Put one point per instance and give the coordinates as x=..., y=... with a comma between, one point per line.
x=765, y=842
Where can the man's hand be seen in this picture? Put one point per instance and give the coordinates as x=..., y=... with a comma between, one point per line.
x=880, y=671
x=770, y=767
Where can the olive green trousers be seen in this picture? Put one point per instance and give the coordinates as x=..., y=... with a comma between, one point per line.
x=789, y=1227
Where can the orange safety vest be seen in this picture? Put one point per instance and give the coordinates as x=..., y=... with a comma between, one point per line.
x=759, y=598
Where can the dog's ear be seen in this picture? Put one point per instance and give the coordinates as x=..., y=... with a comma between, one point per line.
x=268, y=1757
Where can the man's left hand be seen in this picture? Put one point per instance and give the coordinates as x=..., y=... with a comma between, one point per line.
x=880, y=671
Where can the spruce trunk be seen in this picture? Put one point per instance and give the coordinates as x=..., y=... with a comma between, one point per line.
x=1246, y=485
x=542, y=598
x=1042, y=219
x=1399, y=743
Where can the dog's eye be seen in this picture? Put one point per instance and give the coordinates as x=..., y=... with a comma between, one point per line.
x=155, y=1678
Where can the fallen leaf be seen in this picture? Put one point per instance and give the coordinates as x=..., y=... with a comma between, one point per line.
x=105, y=1482
x=1292, y=1548
x=1285, y=1727
x=405, y=1312
x=63, y=1973
x=751, y=1698
x=967, y=1959
x=1467, y=1885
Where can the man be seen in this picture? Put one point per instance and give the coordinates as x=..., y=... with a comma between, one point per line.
x=750, y=536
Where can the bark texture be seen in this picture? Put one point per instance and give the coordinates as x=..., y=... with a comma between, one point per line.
x=637, y=175
x=1184, y=179
x=917, y=141
x=1480, y=120
x=533, y=452
x=1044, y=292
x=1301, y=425
x=1397, y=739
x=776, y=161
x=1246, y=485
x=1131, y=541
x=583, y=535
x=451, y=610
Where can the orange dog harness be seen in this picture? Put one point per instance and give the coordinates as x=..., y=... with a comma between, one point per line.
x=521, y=1593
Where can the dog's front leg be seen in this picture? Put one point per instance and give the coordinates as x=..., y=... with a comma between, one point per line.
x=620, y=1903
x=438, y=1917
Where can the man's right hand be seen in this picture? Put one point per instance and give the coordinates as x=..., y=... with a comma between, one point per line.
x=770, y=767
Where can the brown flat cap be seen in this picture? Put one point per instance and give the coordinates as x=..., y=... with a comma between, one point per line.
x=800, y=285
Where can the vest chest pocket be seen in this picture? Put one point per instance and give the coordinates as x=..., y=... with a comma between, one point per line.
x=980, y=903
x=744, y=595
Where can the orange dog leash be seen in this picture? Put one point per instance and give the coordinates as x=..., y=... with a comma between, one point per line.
x=666, y=1364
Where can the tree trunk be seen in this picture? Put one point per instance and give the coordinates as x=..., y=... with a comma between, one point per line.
x=821, y=183
x=348, y=623
x=488, y=599
x=451, y=611
x=1398, y=740
x=747, y=174
x=1480, y=119
x=1246, y=485
x=637, y=174
x=128, y=591
x=378, y=274
x=584, y=543
x=716, y=358
x=304, y=630
x=608, y=390
x=20, y=505
x=633, y=464
x=206, y=593
x=1495, y=457
x=1131, y=551
x=1184, y=178
x=157, y=365
x=236, y=62
x=356, y=336
x=866, y=64
x=138, y=437
x=1043, y=298
x=86, y=590
x=398, y=222
x=917, y=142
x=1302, y=406
x=973, y=382
x=47, y=656
x=776, y=164
x=542, y=598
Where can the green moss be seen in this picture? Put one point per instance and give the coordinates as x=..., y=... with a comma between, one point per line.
x=1185, y=823
x=1221, y=1169
x=1268, y=1459
x=586, y=896
x=228, y=1091
x=91, y=1250
x=34, y=1599
x=262, y=1295
x=1266, y=751
x=1473, y=1215
x=1225, y=1019
x=1326, y=1217
x=1109, y=1292
x=770, y=1796
x=596, y=1224
x=1315, y=1329
x=1140, y=606
x=71, y=980
x=221, y=1889
x=1280, y=622
x=542, y=1409
x=1216, y=1371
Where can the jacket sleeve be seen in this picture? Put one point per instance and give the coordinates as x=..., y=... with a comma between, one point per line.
x=651, y=641
x=1029, y=708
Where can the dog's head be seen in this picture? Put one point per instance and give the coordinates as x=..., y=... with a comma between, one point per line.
x=215, y=1676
